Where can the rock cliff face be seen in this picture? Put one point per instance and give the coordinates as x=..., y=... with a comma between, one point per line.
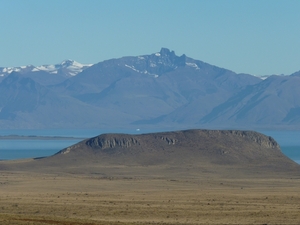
x=262, y=140
x=112, y=141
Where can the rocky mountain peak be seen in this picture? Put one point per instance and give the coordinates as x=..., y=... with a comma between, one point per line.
x=166, y=52
x=170, y=58
x=160, y=62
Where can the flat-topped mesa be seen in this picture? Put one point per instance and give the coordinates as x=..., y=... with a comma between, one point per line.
x=240, y=142
x=218, y=146
x=223, y=152
x=106, y=141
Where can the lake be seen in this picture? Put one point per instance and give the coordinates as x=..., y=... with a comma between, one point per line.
x=289, y=142
x=18, y=148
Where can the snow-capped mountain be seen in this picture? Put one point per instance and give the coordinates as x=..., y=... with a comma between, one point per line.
x=146, y=91
x=4, y=71
x=67, y=68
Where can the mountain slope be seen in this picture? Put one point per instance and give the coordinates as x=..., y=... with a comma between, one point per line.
x=26, y=103
x=273, y=102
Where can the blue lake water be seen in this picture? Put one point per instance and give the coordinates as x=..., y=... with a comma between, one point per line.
x=32, y=148
x=19, y=148
x=289, y=142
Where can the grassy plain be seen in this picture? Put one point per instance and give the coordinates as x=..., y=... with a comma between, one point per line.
x=63, y=198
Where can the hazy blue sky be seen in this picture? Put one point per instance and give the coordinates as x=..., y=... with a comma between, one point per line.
x=255, y=36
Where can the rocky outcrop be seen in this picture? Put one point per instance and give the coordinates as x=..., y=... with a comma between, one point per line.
x=256, y=137
x=111, y=141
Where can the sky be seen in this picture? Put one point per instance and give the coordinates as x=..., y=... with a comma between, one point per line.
x=258, y=37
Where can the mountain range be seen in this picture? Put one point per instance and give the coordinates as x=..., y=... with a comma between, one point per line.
x=158, y=91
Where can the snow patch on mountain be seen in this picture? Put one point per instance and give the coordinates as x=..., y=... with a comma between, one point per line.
x=132, y=67
x=193, y=65
x=263, y=77
x=67, y=67
x=143, y=72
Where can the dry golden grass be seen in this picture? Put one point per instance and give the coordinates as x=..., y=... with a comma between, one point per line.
x=33, y=198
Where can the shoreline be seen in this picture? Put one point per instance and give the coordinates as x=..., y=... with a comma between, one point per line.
x=36, y=137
